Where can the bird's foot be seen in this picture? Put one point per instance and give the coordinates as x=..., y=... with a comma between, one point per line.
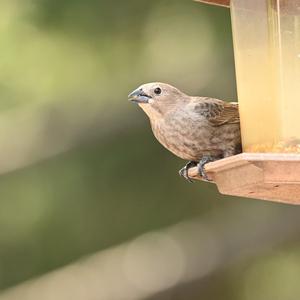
x=184, y=172
x=201, y=166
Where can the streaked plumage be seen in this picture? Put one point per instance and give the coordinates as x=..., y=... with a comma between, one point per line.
x=193, y=128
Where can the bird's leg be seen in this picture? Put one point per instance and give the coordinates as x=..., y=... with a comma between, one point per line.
x=184, y=172
x=201, y=166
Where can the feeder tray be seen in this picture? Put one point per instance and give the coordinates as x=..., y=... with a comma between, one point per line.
x=267, y=176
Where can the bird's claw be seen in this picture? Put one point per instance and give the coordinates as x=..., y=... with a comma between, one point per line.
x=201, y=167
x=184, y=172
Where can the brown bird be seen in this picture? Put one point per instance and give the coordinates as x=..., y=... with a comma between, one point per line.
x=197, y=129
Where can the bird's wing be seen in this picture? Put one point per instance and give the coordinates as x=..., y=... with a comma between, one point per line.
x=217, y=112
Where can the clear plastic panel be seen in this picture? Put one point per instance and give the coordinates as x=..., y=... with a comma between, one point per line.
x=267, y=56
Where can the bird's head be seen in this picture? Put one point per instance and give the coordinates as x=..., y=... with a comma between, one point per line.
x=157, y=98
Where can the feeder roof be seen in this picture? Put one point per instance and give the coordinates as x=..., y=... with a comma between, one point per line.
x=225, y=3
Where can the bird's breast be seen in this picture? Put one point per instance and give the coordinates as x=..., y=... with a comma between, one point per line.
x=183, y=136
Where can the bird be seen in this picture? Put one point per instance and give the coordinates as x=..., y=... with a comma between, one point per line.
x=196, y=129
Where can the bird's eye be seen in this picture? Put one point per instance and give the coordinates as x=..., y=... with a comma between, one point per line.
x=157, y=91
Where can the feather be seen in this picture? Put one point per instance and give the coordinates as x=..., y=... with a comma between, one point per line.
x=216, y=111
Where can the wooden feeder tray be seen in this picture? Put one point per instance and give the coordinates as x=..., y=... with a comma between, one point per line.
x=267, y=176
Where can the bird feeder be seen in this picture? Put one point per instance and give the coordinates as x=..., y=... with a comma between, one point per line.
x=266, y=35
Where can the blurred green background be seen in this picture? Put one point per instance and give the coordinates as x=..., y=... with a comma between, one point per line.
x=80, y=169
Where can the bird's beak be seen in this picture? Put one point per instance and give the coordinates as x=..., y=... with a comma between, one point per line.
x=139, y=96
